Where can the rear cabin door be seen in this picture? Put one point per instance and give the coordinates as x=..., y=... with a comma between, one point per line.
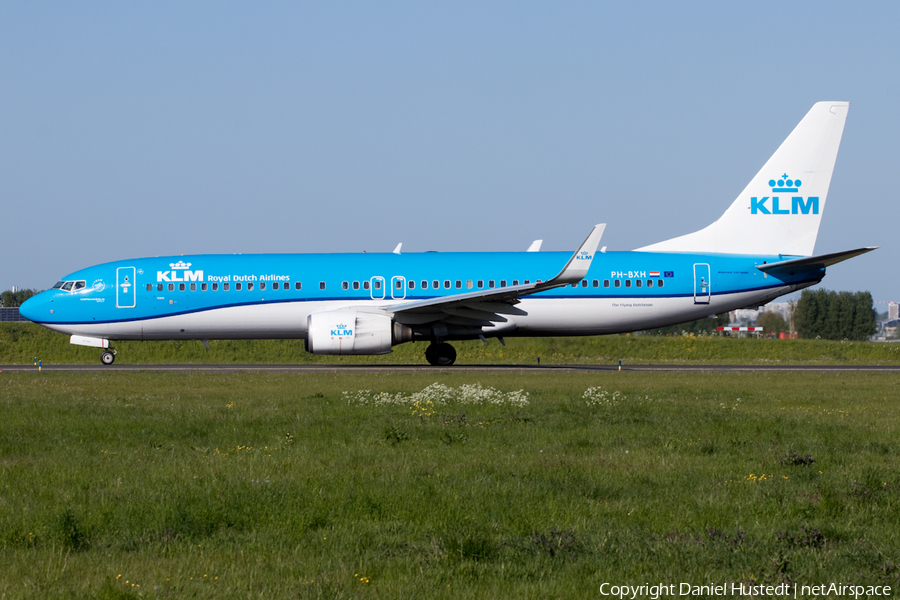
x=702, y=285
x=126, y=292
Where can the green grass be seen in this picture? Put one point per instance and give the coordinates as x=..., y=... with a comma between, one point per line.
x=21, y=343
x=193, y=485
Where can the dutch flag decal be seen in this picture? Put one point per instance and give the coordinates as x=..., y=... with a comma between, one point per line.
x=654, y=273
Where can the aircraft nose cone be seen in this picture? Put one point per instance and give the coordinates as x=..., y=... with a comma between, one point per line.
x=31, y=308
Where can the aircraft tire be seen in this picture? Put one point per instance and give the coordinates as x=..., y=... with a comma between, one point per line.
x=107, y=358
x=440, y=355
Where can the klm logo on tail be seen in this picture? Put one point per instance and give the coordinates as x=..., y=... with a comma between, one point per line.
x=799, y=205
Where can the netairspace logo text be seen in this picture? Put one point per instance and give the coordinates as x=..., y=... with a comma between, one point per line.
x=785, y=590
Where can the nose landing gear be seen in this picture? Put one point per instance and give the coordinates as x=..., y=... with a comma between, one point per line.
x=440, y=354
x=108, y=357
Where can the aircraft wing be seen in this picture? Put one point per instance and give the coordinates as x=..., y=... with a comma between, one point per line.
x=812, y=262
x=488, y=306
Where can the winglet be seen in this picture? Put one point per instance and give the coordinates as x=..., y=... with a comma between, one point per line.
x=580, y=262
x=397, y=249
x=535, y=246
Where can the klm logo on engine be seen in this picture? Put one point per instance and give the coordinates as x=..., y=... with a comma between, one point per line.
x=772, y=205
x=341, y=331
x=179, y=272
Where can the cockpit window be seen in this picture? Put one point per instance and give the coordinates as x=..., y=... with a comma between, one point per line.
x=67, y=286
x=79, y=285
x=58, y=285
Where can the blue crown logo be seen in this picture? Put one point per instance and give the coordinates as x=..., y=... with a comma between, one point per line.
x=785, y=184
x=342, y=326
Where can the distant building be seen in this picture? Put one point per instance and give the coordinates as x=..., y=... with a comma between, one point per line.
x=893, y=311
x=749, y=315
x=890, y=328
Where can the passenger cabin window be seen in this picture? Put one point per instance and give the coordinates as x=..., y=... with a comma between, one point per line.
x=180, y=287
x=515, y=282
x=617, y=283
x=274, y=285
x=297, y=285
x=321, y=285
x=250, y=286
x=365, y=285
x=527, y=281
x=584, y=283
x=225, y=286
x=237, y=287
x=215, y=287
x=469, y=284
x=149, y=287
x=355, y=285
x=458, y=284
x=627, y=283
x=345, y=285
x=659, y=283
x=262, y=285
x=502, y=283
x=193, y=287
x=649, y=283
x=398, y=284
x=424, y=285
x=412, y=284
x=159, y=287
x=202, y=287
x=639, y=282
x=606, y=283
x=171, y=287
x=447, y=284
x=435, y=284
x=377, y=284
x=490, y=283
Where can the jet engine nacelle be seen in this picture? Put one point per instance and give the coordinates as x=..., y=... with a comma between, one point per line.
x=353, y=332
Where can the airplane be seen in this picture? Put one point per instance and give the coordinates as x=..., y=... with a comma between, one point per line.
x=342, y=304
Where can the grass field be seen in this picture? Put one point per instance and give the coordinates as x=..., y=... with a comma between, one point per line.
x=456, y=485
x=21, y=343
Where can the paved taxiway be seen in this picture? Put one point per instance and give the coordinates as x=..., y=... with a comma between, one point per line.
x=332, y=368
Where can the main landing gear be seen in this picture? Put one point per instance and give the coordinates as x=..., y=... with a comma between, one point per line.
x=108, y=357
x=440, y=354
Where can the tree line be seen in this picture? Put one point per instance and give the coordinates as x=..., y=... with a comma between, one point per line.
x=10, y=298
x=835, y=315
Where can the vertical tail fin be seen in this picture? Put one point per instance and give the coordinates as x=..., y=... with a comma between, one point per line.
x=780, y=210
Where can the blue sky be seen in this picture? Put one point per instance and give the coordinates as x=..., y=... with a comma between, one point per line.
x=137, y=129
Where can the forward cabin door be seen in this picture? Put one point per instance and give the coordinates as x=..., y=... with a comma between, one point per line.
x=126, y=291
x=702, y=285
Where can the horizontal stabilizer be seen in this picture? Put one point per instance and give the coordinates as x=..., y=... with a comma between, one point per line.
x=812, y=262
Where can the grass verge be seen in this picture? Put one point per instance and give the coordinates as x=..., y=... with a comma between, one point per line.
x=21, y=343
x=172, y=485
